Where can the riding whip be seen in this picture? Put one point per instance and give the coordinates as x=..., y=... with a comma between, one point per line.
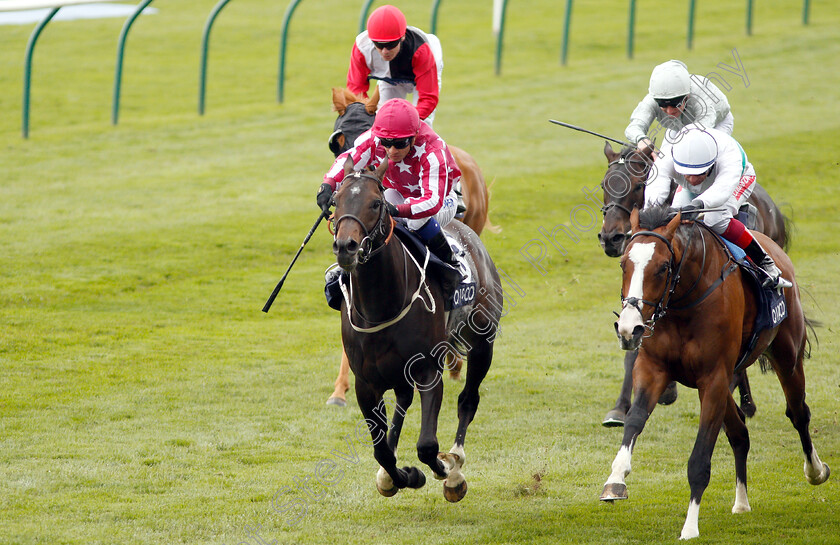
x=274, y=293
x=622, y=142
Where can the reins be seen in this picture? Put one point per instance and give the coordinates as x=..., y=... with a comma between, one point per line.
x=367, y=250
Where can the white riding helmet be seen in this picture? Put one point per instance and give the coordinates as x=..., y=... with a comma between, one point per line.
x=670, y=80
x=694, y=151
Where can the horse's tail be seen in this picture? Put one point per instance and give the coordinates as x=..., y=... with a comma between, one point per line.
x=488, y=225
x=811, y=325
x=788, y=232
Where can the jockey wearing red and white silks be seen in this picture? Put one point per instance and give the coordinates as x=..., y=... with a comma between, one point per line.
x=404, y=60
x=712, y=172
x=420, y=185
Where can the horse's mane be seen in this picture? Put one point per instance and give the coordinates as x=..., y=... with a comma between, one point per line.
x=657, y=216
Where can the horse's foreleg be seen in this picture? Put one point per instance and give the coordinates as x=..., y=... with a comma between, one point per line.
x=714, y=396
x=342, y=383
x=616, y=416
x=739, y=440
x=648, y=386
x=389, y=478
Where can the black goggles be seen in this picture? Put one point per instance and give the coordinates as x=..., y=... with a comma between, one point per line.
x=675, y=102
x=386, y=45
x=398, y=143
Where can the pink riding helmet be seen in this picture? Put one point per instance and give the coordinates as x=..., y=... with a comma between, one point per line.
x=397, y=118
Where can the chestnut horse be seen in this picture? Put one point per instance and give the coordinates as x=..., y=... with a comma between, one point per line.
x=680, y=286
x=396, y=342
x=355, y=116
x=624, y=190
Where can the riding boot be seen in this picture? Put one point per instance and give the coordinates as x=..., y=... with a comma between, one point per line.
x=439, y=246
x=761, y=258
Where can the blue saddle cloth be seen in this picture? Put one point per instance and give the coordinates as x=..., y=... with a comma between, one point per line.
x=772, y=307
x=463, y=294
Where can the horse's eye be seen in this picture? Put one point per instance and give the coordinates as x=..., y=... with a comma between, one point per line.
x=662, y=270
x=640, y=186
x=376, y=204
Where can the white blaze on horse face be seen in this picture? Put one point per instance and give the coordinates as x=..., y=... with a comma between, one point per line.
x=640, y=254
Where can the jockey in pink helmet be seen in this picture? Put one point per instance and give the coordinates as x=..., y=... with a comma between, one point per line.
x=420, y=176
x=404, y=60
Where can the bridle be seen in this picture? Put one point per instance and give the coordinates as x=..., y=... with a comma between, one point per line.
x=622, y=161
x=666, y=300
x=381, y=230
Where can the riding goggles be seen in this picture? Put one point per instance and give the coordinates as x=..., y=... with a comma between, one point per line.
x=398, y=143
x=386, y=45
x=675, y=102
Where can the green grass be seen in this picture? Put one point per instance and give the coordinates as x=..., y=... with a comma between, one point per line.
x=144, y=398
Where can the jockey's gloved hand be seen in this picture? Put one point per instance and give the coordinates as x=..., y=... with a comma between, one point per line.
x=690, y=211
x=324, y=197
x=392, y=210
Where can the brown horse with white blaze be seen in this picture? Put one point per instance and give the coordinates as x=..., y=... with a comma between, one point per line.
x=680, y=286
x=624, y=190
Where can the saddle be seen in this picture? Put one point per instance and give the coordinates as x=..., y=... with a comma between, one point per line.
x=771, y=303
x=462, y=285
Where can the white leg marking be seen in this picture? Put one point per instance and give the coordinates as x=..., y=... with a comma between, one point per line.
x=620, y=466
x=742, y=504
x=459, y=450
x=815, y=470
x=690, y=529
x=630, y=317
x=383, y=480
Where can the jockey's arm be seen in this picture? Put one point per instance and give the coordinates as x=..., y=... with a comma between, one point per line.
x=361, y=156
x=425, y=81
x=659, y=185
x=641, y=119
x=727, y=178
x=357, y=74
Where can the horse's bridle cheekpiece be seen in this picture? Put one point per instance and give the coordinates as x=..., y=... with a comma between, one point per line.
x=366, y=249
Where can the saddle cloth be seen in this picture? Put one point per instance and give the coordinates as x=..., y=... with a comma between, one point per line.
x=772, y=306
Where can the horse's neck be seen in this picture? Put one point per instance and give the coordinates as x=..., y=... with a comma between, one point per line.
x=703, y=260
x=380, y=284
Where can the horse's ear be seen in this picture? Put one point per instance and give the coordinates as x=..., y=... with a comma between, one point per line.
x=348, y=165
x=380, y=170
x=672, y=226
x=608, y=151
x=339, y=101
x=634, y=219
x=373, y=102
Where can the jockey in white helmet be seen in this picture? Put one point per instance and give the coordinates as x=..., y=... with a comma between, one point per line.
x=676, y=98
x=712, y=171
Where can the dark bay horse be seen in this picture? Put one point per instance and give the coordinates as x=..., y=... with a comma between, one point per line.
x=397, y=335
x=355, y=116
x=691, y=327
x=624, y=191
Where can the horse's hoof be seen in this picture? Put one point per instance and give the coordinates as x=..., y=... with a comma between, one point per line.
x=415, y=477
x=669, y=395
x=337, y=401
x=614, y=419
x=819, y=478
x=455, y=493
x=387, y=492
x=614, y=491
